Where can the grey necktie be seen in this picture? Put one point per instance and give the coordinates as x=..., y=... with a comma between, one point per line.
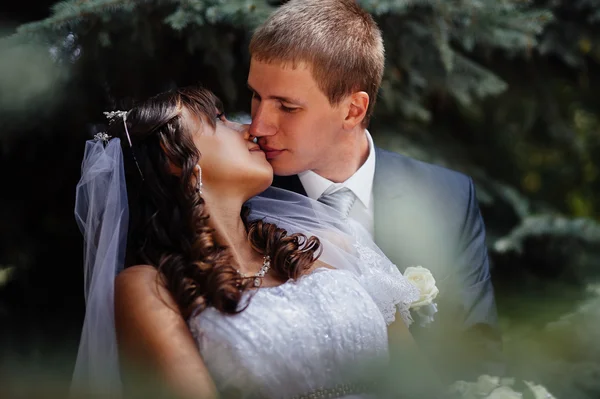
x=342, y=200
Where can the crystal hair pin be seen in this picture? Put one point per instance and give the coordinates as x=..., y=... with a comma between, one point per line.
x=102, y=137
x=111, y=115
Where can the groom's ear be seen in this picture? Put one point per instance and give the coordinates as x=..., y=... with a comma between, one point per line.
x=356, y=105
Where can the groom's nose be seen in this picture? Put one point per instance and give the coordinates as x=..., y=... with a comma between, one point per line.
x=263, y=122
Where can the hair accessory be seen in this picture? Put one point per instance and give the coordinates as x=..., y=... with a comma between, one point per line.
x=111, y=116
x=102, y=137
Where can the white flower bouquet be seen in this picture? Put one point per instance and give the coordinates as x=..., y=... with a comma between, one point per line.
x=488, y=387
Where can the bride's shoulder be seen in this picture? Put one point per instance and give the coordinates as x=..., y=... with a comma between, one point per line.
x=136, y=275
x=140, y=291
x=319, y=264
x=139, y=282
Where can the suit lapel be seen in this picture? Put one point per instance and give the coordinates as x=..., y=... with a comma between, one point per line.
x=384, y=193
x=389, y=212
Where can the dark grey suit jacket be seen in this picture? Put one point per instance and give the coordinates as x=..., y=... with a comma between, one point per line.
x=428, y=215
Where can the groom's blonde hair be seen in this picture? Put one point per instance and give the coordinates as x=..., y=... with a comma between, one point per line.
x=337, y=39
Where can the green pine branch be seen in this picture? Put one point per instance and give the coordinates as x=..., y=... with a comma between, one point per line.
x=67, y=14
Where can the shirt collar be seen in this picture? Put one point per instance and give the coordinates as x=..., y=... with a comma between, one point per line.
x=360, y=183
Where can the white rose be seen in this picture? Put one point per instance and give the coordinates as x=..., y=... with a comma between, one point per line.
x=486, y=384
x=539, y=391
x=486, y=387
x=464, y=390
x=422, y=278
x=504, y=393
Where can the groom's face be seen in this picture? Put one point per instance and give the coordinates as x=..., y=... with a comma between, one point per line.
x=296, y=125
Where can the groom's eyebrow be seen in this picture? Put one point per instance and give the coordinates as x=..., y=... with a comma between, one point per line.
x=288, y=100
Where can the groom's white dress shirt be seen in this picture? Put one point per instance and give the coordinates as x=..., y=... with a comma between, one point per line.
x=360, y=183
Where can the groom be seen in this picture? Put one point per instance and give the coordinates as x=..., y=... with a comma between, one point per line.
x=316, y=67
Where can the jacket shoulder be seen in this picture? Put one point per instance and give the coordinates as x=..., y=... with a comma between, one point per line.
x=392, y=165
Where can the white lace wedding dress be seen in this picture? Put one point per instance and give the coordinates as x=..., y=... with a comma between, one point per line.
x=314, y=337
x=306, y=338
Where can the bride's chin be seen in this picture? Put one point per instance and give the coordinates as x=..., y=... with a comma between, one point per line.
x=260, y=184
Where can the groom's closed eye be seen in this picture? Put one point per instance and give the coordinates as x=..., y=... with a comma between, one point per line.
x=284, y=104
x=288, y=109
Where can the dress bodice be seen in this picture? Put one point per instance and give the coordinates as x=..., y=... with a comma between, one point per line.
x=304, y=336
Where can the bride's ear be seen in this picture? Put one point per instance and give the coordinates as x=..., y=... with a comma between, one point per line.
x=356, y=106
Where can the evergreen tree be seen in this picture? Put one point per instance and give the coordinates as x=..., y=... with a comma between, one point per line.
x=429, y=43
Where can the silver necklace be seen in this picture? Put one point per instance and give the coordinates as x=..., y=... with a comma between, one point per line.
x=261, y=273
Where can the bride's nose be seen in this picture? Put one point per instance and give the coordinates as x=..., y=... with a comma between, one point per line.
x=245, y=130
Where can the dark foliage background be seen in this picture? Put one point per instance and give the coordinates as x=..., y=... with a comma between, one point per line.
x=505, y=91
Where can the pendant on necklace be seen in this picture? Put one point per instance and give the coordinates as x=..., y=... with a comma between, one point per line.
x=261, y=273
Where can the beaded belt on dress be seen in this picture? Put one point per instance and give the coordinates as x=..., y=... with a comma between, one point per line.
x=335, y=392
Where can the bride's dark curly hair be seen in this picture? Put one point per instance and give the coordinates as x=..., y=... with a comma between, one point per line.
x=168, y=222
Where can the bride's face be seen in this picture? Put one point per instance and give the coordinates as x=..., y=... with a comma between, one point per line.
x=231, y=163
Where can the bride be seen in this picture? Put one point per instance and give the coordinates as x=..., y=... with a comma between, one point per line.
x=220, y=291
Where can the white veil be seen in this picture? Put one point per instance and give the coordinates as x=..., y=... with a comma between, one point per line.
x=345, y=243
x=101, y=211
x=102, y=214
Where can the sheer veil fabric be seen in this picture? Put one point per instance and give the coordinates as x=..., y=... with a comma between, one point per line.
x=345, y=243
x=102, y=213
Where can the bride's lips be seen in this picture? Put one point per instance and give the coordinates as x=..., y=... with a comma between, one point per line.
x=256, y=149
x=271, y=152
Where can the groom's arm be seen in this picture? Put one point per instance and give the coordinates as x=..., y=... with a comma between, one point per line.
x=480, y=343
